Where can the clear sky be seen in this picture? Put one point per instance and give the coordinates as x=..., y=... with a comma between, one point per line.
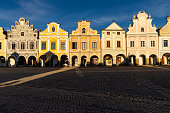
x=67, y=12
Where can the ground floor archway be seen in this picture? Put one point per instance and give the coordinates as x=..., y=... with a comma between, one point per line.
x=32, y=61
x=83, y=60
x=11, y=61
x=54, y=60
x=64, y=60
x=108, y=60
x=153, y=59
x=43, y=60
x=2, y=61
x=132, y=60
x=21, y=61
x=142, y=60
x=74, y=61
x=120, y=59
x=94, y=60
x=166, y=58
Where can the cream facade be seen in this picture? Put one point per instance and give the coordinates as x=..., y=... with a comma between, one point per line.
x=142, y=41
x=53, y=46
x=3, y=49
x=113, y=44
x=164, y=41
x=22, y=49
x=85, y=49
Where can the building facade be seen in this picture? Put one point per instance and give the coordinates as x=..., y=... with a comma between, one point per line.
x=3, y=49
x=53, y=46
x=22, y=43
x=85, y=49
x=164, y=41
x=113, y=44
x=142, y=40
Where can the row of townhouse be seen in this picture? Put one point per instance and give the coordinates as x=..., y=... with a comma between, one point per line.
x=143, y=44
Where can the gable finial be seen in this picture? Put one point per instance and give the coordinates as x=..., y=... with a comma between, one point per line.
x=83, y=19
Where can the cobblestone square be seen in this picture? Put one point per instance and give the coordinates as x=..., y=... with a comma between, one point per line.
x=87, y=90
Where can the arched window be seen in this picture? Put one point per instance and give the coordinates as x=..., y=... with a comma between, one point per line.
x=142, y=29
x=53, y=29
x=83, y=30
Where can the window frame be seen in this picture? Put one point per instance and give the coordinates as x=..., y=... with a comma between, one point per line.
x=63, y=45
x=74, y=45
x=108, y=44
x=43, y=45
x=166, y=44
x=84, y=45
x=53, y=45
x=94, y=45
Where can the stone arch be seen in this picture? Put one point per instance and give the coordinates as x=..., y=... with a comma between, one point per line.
x=54, y=60
x=132, y=60
x=166, y=58
x=83, y=60
x=21, y=61
x=11, y=61
x=74, y=60
x=120, y=59
x=2, y=61
x=108, y=60
x=94, y=60
x=153, y=59
x=64, y=60
x=32, y=61
x=43, y=60
x=142, y=59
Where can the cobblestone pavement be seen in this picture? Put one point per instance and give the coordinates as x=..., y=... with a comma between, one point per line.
x=90, y=90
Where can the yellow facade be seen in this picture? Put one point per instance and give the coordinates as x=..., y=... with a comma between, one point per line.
x=2, y=47
x=85, y=55
x=54, y=34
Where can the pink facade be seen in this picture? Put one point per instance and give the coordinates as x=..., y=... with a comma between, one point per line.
x=142, y=40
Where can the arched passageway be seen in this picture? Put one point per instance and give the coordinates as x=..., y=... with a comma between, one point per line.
x=64, y=60
x=54, y=60
x=108, y=60
x=2, y=61
x=94, y=60
x=142, y=60
x=166, y=58
x=132, y=60
x=83, y=60
x=11, y=61
x=74, y=61
x=153, y=59
x=32, y=61
x=44, y=61
x=21, y=61
x=120, y=59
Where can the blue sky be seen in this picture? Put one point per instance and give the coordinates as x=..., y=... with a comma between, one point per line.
x=67, y=12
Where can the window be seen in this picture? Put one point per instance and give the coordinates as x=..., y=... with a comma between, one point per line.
x=22, y=33
x=53, y=45
x=94, y=45
x=43, y=46
x=132, y=44
x=31, y=45
x=83, y=30
x=108, y=33
x=35, y=35
x=142, y=43
x=62, y=45
x=152, y=43
x=13, y=45
x=142, y=29
x=74, y=45
x=108, y=43
x=83, y=45
x=165, y=43
x=118, y=43
x=22, y=45
x=0, y=45
x=53, y=29
x=118, y=33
